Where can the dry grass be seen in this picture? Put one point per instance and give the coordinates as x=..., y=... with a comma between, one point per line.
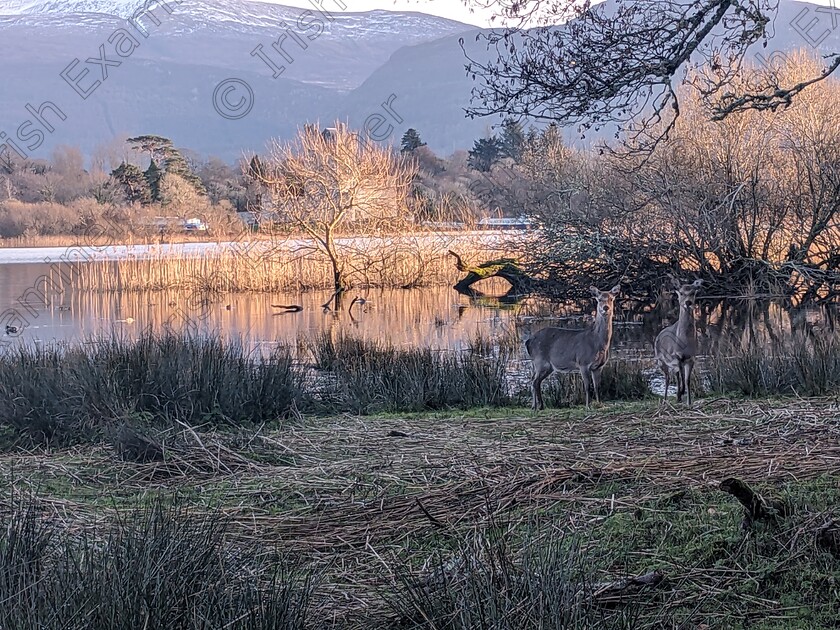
x=354, y=494
x=80, y=240
x=277, y=266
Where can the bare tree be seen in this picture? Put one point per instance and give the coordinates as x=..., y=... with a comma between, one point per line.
x=619, y=63
x=750, y=203
x=324, y=182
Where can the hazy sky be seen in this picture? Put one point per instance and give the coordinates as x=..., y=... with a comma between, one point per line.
x=453, y=9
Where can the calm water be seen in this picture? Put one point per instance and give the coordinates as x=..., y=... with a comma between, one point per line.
x=435, y=317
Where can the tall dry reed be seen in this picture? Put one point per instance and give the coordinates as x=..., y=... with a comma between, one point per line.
x=265, y=266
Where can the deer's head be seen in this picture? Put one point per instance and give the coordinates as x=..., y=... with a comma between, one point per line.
x=687, y=293
x=605, y=299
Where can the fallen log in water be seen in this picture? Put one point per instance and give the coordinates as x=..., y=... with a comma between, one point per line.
x=505, y=268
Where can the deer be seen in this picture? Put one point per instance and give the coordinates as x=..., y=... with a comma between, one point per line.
x=567, y=350
x=676, y=346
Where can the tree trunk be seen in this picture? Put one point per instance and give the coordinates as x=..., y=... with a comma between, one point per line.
x=507, y=268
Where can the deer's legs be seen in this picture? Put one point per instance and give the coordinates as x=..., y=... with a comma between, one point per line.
x=687, y=369
x=586, y=375
x=680, y=383
x=596, y=384
x=541, y=372
x=667, y=374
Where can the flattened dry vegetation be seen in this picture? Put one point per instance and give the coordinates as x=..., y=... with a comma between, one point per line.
x=614, y=518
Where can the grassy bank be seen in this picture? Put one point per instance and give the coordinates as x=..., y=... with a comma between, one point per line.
x=452, y=520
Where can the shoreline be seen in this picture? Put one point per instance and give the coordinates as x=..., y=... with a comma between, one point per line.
x=198, y=248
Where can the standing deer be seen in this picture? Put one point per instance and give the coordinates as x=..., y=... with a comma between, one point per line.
x=574, y=350
x=676, y=346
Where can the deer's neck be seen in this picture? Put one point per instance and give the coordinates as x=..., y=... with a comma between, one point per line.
x=603, y=328
x=685, y=325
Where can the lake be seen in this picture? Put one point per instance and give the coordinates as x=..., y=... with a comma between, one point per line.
x=436, y=317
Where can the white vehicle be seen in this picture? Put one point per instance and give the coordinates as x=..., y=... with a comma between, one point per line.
x=195, y=225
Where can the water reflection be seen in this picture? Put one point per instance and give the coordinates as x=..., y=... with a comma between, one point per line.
x=435, y=317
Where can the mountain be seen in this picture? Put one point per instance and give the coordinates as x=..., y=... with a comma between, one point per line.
x=337, y=65
x=431, y=88
x=329, y=48
x=181, y=50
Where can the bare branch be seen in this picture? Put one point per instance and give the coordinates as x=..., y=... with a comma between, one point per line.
x=616, y=66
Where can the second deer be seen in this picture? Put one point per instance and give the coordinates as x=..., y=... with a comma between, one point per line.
x=676, y=346
x=571, y=350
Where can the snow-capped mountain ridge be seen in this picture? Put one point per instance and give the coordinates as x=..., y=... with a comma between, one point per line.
x=244, y=15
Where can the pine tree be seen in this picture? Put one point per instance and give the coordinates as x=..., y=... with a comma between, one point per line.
x=168, y=160
x=411, y=141
x=132, y=182
x=513, y=140
x=153, y=176
x=175, y=164
x=484, y=154
x=156, y=146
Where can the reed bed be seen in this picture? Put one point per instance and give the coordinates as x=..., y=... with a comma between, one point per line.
x=620, y=380
x=80, y=393
x=283, y=266
x=69, y=394
x=372, y=377
x=797, y=365
x=62, y=395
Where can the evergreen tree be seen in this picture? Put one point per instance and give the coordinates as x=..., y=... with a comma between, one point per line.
x=253, y=176
x=132, y=182
x=157, y=147
x=175, y=164
x=168, y=160
x=411, y=141
x=513, y=140
x=485, y=153
x=255, y=169
x=533, y=137
x=153, y=176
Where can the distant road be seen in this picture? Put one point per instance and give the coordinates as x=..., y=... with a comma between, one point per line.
x=81, y=253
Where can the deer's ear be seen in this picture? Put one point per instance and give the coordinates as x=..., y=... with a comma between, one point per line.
x=616, y=289
x=697, y=283
x=595, y=291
